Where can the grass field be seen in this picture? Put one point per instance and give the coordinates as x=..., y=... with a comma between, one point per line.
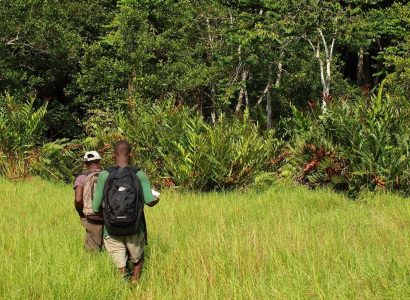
x=284, y=243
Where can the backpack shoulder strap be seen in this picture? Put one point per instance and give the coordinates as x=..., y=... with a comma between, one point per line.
x=93, y=173
x=133, y=169
x=111, y=169
x=88, y=173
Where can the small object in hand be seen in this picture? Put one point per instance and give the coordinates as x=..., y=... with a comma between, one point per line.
x=155, y=193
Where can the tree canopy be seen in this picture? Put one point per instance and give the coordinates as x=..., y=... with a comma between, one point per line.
x=219, y=57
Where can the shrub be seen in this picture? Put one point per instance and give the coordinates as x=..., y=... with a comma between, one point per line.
x=23, y=150
x=176, y=146
x=355, y=145
x=56, y=161
x=62, y=160
x=229, y=154
x=21, y=131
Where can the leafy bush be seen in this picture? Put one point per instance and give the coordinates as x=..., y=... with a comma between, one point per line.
x=21, y=128
x=62, y=160
x=23, y=150
x=398, y=81
x=176, y=146
x=228, y=154
x=55, y=161
x=62, y=121
x=355, y=145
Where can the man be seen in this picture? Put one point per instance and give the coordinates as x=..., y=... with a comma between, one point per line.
x=84, y=187
x=125, y=231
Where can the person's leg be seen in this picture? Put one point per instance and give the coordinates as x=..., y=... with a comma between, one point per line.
x=136, y=273
x=93, y=235
x=88, y=242
x=95, y=238
x=117, y=249
x=135, y=244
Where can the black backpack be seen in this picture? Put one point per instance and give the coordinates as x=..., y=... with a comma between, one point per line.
x=123, y=203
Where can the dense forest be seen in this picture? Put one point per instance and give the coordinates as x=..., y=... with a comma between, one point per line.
x=212, y=94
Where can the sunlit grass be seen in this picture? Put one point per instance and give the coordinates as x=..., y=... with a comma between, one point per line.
x=287, y=242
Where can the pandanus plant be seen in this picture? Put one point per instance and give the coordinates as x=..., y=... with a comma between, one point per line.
x=21, y=128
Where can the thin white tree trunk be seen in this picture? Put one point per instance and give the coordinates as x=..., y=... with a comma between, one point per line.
x=269, y=90
x=269, y=99
x=239, y=102
x=325, y=65
x=213, y=86
x=245, y=89
x=280, y=69
x=360, y=67
x=243, y=92
x=261, y=97
x=278, y=79
x=213, y=97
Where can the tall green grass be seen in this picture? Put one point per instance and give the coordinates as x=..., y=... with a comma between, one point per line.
x=287, y=242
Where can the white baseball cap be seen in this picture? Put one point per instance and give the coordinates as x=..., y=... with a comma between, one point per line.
x=91, y=156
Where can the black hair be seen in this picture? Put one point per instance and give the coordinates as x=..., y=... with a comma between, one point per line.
x=122, y=147
x=96, y=161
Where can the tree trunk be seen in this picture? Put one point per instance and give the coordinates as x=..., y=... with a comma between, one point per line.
x=210, y=58
x=213, y=99
x=280, y=69
x=131, y=84
x=269, y=90
x=360, y=67
x=269, y=100
x=243, y=92
x=326, y=89
x=325, y=71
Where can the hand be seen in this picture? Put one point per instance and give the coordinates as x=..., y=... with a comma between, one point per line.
x=153, y=203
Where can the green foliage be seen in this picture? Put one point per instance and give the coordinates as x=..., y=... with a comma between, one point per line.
x=62, y=160
x=398, y=58
x=41, y=41
x=356, y=145
x=55, y=161
x=225, y=155
x=62, y=121
x=174, y=143
x=21, y=131
x=23, y=149
x=217, y=59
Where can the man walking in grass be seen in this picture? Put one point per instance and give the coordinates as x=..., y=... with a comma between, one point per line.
x=121, y=193
x=84, y=187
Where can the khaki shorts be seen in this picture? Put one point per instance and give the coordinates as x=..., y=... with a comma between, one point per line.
x=120, y=246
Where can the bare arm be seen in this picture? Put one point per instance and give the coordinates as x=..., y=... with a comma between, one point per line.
x=78, y=200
